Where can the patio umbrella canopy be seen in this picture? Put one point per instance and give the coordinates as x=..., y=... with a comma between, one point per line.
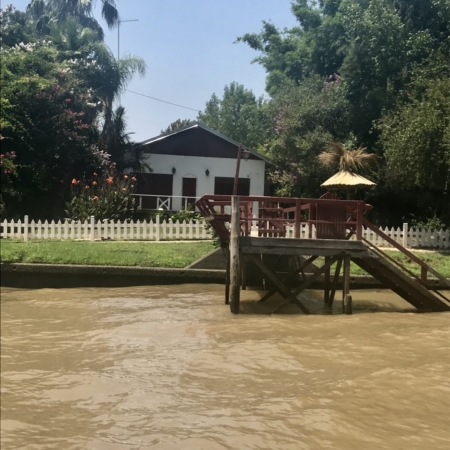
x=347, y=181
x=344, y=179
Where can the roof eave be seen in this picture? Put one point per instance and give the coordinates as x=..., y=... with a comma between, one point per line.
x=210, y=130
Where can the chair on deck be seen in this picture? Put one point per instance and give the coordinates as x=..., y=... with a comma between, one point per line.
x=331, y=219
x=271, y=220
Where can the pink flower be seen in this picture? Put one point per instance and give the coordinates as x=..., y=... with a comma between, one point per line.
x=68, y=100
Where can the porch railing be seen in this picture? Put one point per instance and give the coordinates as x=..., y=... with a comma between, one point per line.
x=165, y=202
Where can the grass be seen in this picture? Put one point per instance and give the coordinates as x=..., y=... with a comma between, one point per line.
x=437, y=260
x=141, y=254
x=146, y=254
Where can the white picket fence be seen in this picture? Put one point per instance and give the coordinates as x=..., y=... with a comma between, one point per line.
x=168, y=230
x=103, y=230
x=405, y=236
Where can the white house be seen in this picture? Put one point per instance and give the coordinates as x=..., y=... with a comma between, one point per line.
x=193, y=161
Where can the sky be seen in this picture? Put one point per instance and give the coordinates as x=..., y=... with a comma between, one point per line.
x=190, y=51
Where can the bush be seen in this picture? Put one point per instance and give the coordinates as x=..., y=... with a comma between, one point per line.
x=187, y=215
x=431, y=223
x=106, y=197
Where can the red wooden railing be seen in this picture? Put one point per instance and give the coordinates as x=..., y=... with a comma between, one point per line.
x=273, y=214
x=334, y=219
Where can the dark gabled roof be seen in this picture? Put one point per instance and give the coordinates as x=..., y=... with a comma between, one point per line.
x=201, y=126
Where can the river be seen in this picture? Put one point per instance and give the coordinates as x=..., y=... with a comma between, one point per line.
x=169, y=367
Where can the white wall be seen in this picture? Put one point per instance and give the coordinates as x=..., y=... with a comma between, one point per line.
x=195, y=166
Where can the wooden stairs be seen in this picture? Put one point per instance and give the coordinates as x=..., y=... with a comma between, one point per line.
x=410, y=289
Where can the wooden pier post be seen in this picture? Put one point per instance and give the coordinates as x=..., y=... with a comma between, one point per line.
x=243, y=273
x=235, y=269
x=327, y=282
x=226, y=251
x=346, y=297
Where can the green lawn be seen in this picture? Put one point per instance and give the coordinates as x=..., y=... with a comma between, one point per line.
x=149, y=254
x=142, y=254
x=436, y=260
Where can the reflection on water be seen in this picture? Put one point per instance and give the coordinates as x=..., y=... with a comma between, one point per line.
x=169, y=367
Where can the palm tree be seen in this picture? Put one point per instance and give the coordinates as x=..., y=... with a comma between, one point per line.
x=112, y=82
x=44, y=12
x=352, y=161
x=73, y=40
x=125, y=153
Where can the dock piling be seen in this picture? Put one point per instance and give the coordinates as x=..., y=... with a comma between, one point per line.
x=346, y=297
x=235, y=269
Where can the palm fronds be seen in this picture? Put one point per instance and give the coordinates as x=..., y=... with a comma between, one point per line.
x=347, y=160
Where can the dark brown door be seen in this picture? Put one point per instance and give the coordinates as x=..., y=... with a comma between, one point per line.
x=189, y=193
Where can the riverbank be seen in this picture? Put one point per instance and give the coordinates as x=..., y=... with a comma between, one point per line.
x=105, y=253
x=42, y=276
x=156, y=254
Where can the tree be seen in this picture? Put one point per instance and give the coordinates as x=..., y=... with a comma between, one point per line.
x=113, y=78
x=416, y=140
x=238, y=114
x=306, y=119
x=48, y=120
x=45, y=12
x=59, y=84
x=179, y=123
x=123, y=152
x=374, y=50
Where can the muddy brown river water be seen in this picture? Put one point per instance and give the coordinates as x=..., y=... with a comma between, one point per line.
x=169, y=367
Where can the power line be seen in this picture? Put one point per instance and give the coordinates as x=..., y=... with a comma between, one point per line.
x=149, y=96
x=163, y=101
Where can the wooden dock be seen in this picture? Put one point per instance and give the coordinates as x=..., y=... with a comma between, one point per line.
x=336, y=221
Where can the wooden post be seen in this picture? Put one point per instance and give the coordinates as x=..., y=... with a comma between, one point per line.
x=405, y=235
x=359, y=220
x=335, y=282
x=238, y=164
x=327, y=283
x=157, y=227
x=234, y=256
x=227, y=280
x=298, y=219
x=346, y=297
x=349, y=304
x=92, y=228
x=25, y=229
x=244, y=273
x=423, y=274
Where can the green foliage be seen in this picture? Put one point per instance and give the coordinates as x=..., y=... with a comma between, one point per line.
x=416, y=138
x=431, y=223
x=238, y=115
x=59, y=82
x=48, y=119
x=106, y=197
x=187, y=215
x=306, y=118
x=43, y=13
x=370, y=74
x=179, y=123
x=8, y=169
